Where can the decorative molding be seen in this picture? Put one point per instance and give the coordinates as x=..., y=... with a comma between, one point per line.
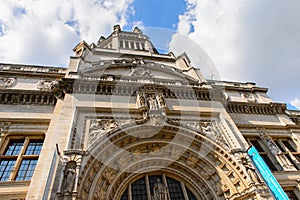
x=251, y=108
x=31, y=69
x=27, y=98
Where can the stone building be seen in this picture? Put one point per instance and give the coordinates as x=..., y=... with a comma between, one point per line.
x=123, y=121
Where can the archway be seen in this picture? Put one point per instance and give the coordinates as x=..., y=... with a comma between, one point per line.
x=123, y=155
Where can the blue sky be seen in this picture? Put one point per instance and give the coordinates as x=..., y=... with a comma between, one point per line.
x=157, y=13
x=249, y=40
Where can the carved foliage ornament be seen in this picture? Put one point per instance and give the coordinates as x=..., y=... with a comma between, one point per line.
x=6, y=82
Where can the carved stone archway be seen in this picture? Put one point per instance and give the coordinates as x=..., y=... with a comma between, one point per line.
x=120, y=156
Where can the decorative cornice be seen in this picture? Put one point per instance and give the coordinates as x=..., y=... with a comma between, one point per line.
x=32, y=70
x=26, y=97
x=294, y=115
x=255, y=108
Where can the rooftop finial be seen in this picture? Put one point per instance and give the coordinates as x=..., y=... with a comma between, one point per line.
x=137, y=30
x=117, y=28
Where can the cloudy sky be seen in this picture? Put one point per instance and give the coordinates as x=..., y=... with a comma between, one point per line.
x=250, y=40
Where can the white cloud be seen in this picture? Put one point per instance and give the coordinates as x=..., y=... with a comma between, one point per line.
x=45, y=31
x=250, y=40
x=296, y=103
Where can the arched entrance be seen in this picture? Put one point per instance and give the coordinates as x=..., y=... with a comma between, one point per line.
x=122, y=157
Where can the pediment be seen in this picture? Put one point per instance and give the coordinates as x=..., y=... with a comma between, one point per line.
x=136, y=69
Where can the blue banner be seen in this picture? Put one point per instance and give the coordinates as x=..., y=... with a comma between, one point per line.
x=267, y=175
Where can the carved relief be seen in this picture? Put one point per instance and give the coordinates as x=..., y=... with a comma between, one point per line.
x=212, y=131
x=140, y=72
x=98, y=127
x=45, y=84
x=4, y=126
x=245, y=160
x=249, y=97
x=59, y=88
x=6, y=82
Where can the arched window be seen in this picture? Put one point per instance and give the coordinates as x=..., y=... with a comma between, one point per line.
x=157, y=187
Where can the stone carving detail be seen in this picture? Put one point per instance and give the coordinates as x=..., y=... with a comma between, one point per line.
x=150, y=101
x=45, y=84
x=59, y=88
x=245, y=160
x=249, y=97
x=274, y=149
x=69, y=177
x=210, y=129
x=6, y=82
x=4, y=128
x=153, y=105
x=160, y=191
x=98, y=127
x=140, y=72
x=68, y=182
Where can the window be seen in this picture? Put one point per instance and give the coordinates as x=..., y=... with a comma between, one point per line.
x=291, y=195
x=145, y=187
x=259, y=147
x=289, y=149
x=19, y=158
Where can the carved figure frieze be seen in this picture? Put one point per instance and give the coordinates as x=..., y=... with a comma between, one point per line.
x=45, y=84
x=7, y=82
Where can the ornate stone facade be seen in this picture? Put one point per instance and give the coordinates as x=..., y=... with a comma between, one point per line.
x=126, y=122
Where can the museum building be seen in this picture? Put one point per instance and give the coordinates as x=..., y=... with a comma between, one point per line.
x=125, y=122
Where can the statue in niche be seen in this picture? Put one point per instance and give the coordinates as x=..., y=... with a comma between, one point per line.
x=141, y=101
x=161, y=100
x=160, y=191
x=152, y=102
x=69, y=177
